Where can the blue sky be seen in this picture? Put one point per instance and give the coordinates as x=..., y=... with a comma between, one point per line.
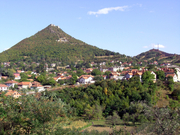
x=128, y=27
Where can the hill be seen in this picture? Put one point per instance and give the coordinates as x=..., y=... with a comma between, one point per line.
x=52, y=44
x=160, y=56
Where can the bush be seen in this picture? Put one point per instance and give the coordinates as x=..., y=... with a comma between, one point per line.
x=113, y=120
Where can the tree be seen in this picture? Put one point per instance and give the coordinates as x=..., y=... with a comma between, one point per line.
x=160, y=75
x=107, y=73
x=87, y=65
x=24, y=77
x=51, y=82
x=80, y=72
x=98, y=112
x=29, y=115
x=163, y=121
x=147, y=77
x=150, y=67
x=170, y=83
x=41, y=79
x=88, y=112
x=61, y=82
x=98, y=78
x=176, y=94
x=96, y=72
x=113, y=120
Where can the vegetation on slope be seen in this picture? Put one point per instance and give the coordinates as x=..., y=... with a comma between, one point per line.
x=155, y=54
x=44, y=45
x=111, y=100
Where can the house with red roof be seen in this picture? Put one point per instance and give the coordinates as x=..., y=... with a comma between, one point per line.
x=84, y=79
x=17, y=76
x=37, y=86
x=3, y=87
x=88, y=70
x=24, y=85
x=128, y=75
x=13, y=93
x=174, y=76
x=11, y=83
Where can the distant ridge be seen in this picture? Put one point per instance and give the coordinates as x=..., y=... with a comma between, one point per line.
x=52, y=44
x=158, y=55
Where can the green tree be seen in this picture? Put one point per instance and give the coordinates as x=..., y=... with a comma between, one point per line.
x=41, y=79
x=51, y=82
x=96, y=72
x=98, y=78
x=80, y=72
x=170, y=83
x=113, y=120
x=107, y=73
x=160, y=75
x=147, y=77
x=88, y=112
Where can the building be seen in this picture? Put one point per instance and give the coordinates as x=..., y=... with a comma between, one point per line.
x=12, y=93
x=178, y=74
x=85, y=79
x=174, y=76
x=24, y=85
x=128, y=75
x=17, y=76
x=11, y=83
x=3, y=87
x=37, y=87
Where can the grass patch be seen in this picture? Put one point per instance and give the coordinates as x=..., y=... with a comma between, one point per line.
x=77, y=124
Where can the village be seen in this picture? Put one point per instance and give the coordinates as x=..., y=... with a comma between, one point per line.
x=31, y=81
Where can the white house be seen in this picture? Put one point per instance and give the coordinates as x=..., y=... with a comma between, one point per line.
x=57, y=78
x=114, y=76
x=11, y=83
x=37, y=87
x=53, y=64
x=154, y=80
x=175, y=78
x=24, y=85
x=93, y=64
x=84, y=79
x=115, y=69
x=102, y=63
x=3, y=87
x=129, y=75
x=178, y=74
x=17, y=76
x=103, y=69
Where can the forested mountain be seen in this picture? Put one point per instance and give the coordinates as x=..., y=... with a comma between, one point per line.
x=156, y=54
x=52, y=44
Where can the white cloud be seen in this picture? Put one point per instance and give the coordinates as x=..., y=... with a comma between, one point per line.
x=79, y=18
x=145, y=46
x=107, y=10
x=158, y=46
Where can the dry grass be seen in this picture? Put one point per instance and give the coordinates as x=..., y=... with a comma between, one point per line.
x=101, y=126
x=163, y=101
x=76, y=124
x=142, y=57
x=162, y=58
x=104, y=56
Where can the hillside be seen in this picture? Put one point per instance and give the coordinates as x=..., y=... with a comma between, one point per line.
x=155, y=54
x=52, y=44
